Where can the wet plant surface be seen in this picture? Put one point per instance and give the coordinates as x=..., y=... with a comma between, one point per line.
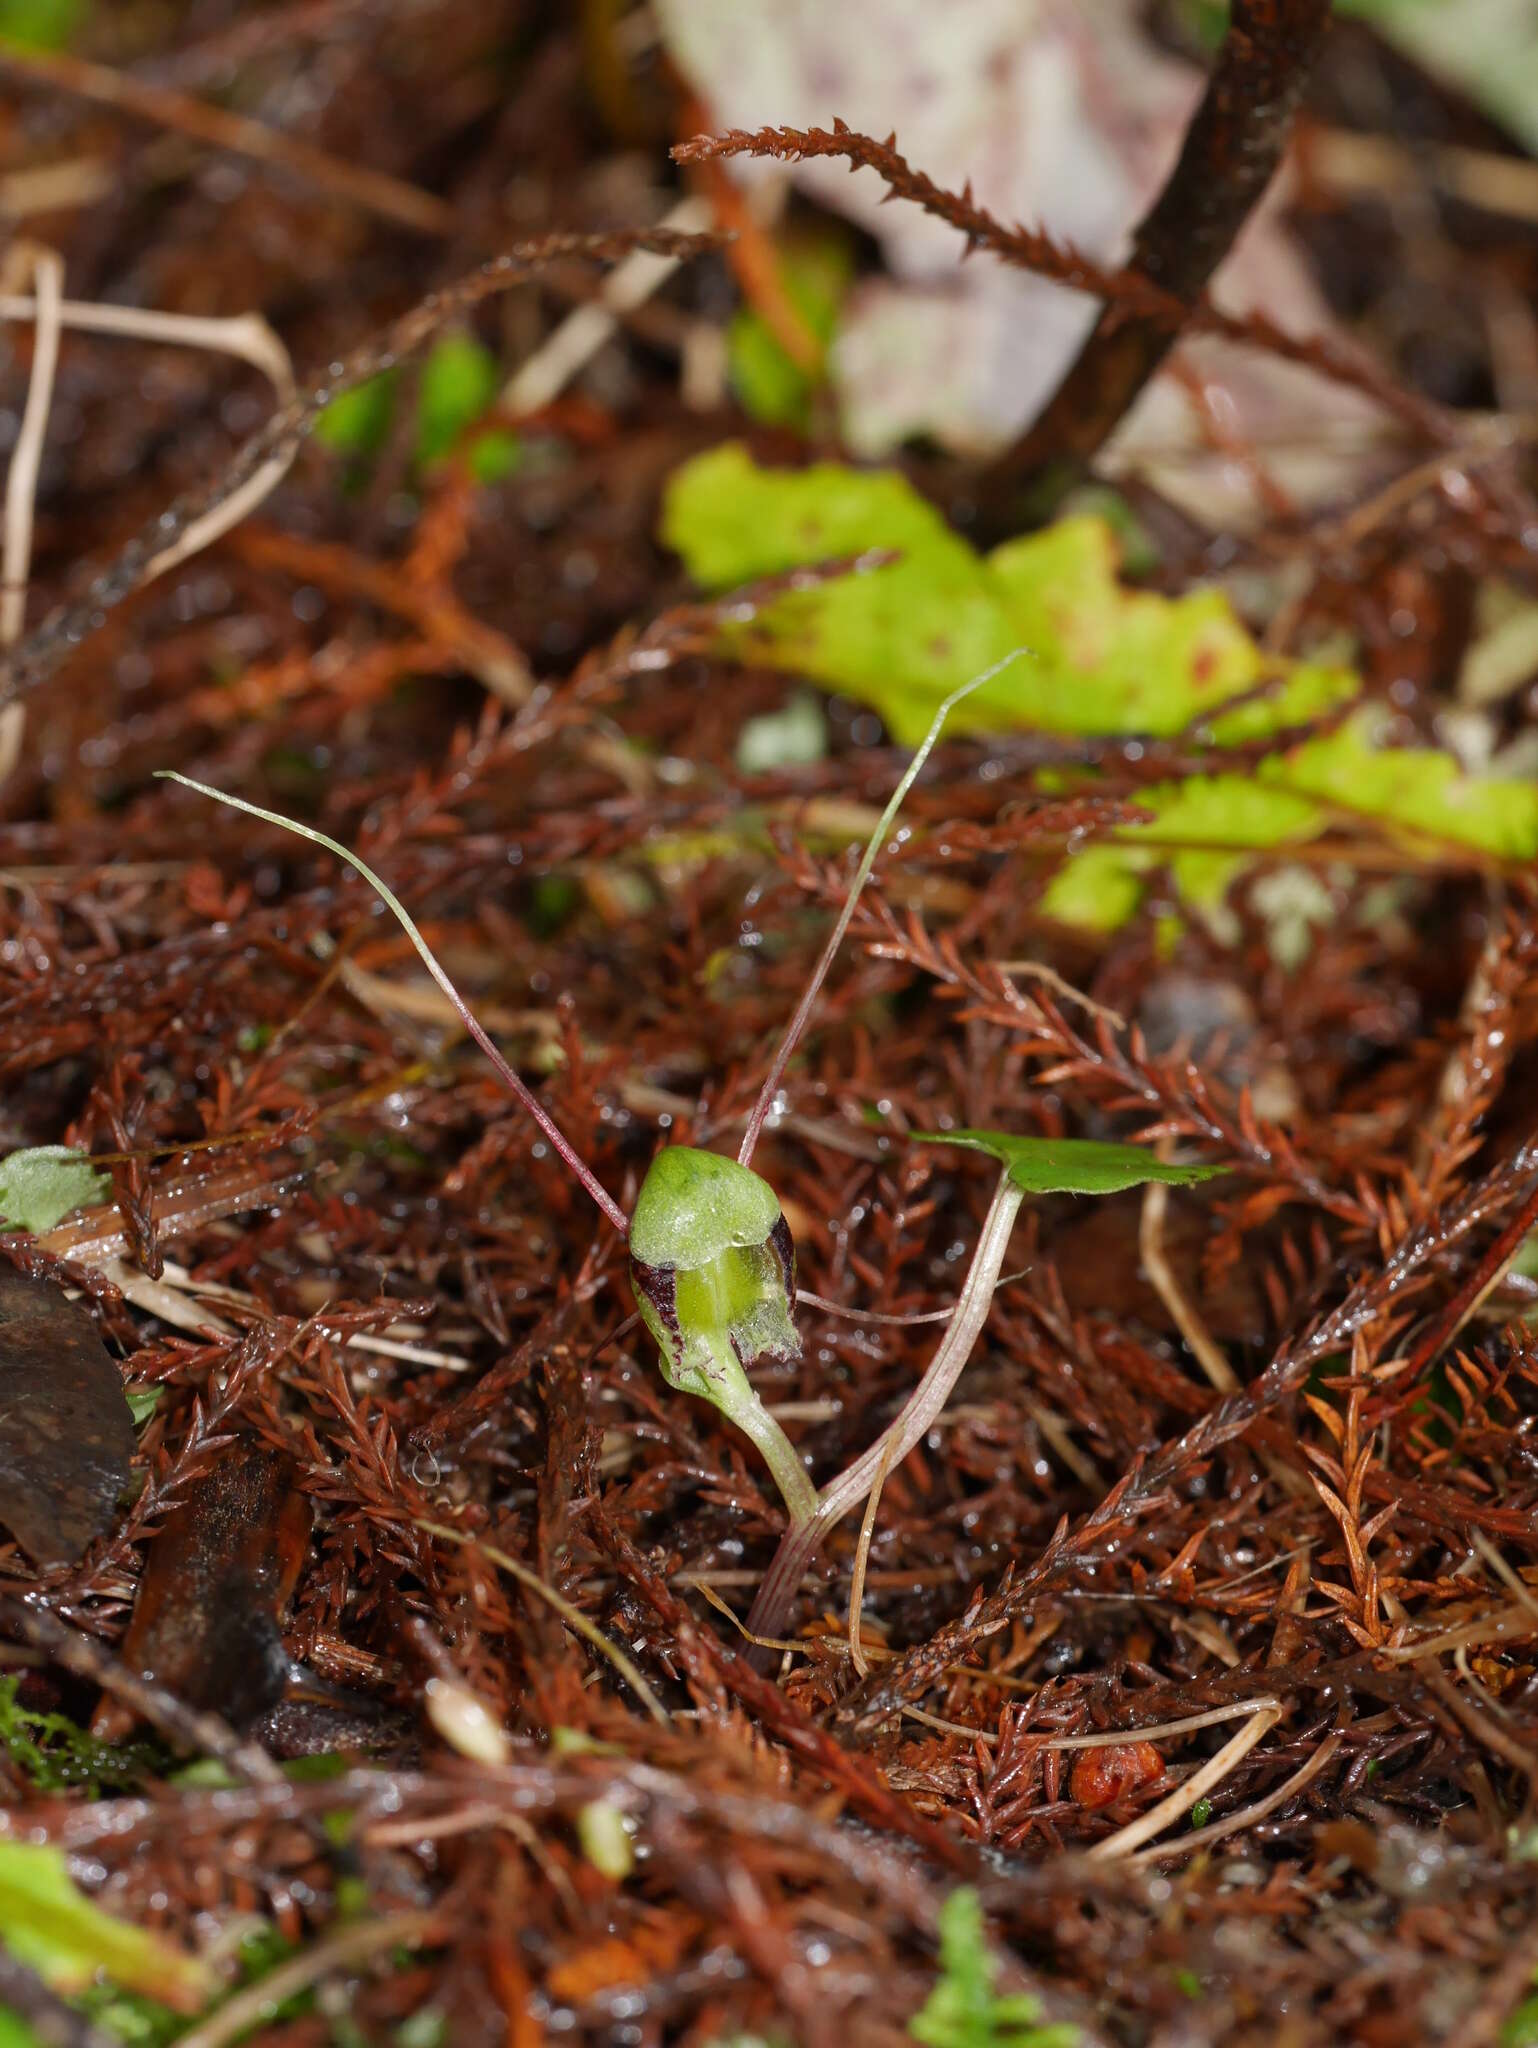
x=380, y=1672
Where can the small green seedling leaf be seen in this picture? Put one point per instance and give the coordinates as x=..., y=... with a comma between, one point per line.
x=459, y=384
x=772, y=387
x=459, y=381
x=49, y=1924
x=39, y=1187
x=577, y=1742
x=789, y=738
x=963, y=2010
x=1520, y=2027
x=40, y=24
x=142, y=1402
x=357, y=422
x=495, y=454
x=603, y=1829
x=53, y=1753
x=603, y=1833
x=1071, y=1166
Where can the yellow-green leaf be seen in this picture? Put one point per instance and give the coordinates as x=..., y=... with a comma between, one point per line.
x=1104, y=658
x=42, y=1184
x=49, y=1924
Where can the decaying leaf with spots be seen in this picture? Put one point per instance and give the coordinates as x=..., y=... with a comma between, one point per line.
x=66, y=1433
x=218, y=1576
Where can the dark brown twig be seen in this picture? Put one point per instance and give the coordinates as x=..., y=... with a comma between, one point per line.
x=1231, y=150
x=1475, y=1286
x=1032, y=249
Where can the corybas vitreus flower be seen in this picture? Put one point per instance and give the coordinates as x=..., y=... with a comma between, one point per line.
x=713, y=1268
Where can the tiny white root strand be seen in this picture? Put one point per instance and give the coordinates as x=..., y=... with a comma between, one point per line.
x=21, y=478
x=246, y=336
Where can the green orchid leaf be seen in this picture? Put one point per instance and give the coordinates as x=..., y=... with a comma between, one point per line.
x=1071, y=1166
x=713, y=1272
x=49, y=1924
x=40, y=1186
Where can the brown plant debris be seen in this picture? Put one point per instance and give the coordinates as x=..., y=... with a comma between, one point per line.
x=373, y=1613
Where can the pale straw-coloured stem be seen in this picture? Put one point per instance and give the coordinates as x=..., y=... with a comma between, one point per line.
x=803, y=1540
x=244, y=335
x=857, y=1656
x=21, y=478
x=579, y=1623
x=540, y=380
x=1185, y=1796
